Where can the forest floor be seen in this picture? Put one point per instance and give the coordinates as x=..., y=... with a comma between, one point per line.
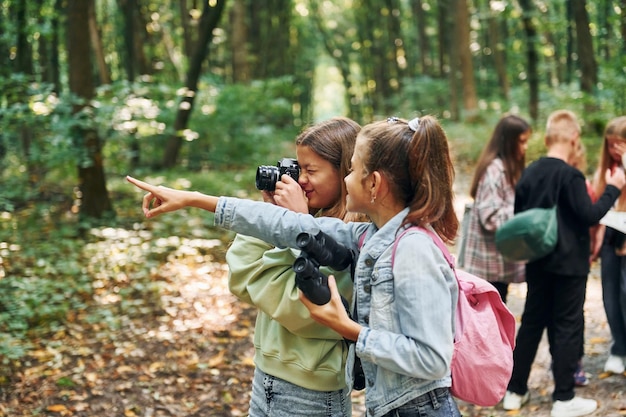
x=187, y=351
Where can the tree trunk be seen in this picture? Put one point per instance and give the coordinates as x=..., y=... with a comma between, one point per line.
x=24, y=65
x=397, y=52
x=443, y=34
x=586, y=57
x=208, y=22
x=55, y=43
x=569, y=66
x=94, y=198
x=96, y=42
x=24, y=50
x=422, y=39
x=188, y=38
x=378, y=57
x=239, y=42
x=270, y=46
x=532, y=59
x=129, y=8
x=604, y=13
x=470, y=99
x=142, y=39
x=498, y=51
x=448, y=58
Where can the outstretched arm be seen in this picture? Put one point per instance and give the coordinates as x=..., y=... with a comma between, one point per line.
x=161, y=199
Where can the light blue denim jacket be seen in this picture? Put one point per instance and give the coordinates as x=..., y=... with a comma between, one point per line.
x=407, y=311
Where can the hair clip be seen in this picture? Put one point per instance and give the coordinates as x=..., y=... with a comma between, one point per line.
x=392, y=120
x=414, y=124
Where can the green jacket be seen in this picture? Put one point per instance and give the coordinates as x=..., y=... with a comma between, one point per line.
x=288, y=343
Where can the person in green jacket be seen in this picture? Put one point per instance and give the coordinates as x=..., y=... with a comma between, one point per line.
x=299, y=363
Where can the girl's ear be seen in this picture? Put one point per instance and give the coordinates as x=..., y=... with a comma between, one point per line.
x=376, y=181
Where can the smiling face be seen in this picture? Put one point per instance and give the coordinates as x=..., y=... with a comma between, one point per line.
x=319, y=179
x=358, y=199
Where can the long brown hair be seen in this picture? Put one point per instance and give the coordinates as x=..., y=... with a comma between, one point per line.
x=504, y=144
x=615, y=129
x=334, y=140
x=418, y=168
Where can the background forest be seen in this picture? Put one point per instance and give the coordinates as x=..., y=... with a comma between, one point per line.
x=196, y=94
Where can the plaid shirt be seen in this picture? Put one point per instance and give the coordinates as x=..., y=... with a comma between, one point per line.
x=492, y=206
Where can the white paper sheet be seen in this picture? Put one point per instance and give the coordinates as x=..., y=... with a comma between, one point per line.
x=615, y=219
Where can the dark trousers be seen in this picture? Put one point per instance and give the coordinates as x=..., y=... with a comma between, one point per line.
x=553, y=302
x=503, y=289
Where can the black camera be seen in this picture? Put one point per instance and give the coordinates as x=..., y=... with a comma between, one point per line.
x=318, y=250
x=267, y=176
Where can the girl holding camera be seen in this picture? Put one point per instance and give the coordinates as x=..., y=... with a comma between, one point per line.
x=299, y=363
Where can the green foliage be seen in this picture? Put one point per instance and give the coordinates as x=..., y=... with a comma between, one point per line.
x=242, y=125
x=134, y=120
x=422, y=95
x=44, y=281
x=37, y=147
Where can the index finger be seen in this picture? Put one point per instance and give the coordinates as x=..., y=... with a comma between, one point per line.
x=140, y=184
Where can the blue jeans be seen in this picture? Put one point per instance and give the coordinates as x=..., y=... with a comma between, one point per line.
x=436, y=403
x=613, y=272
x=275, y=397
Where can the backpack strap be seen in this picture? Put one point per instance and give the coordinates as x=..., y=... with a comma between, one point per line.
x=433, y=236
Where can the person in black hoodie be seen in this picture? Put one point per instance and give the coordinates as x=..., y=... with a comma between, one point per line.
x=557, y=282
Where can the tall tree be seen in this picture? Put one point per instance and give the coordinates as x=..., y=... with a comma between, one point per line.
x=584, y=42
x=532, y=58
x=211, y=14
x=494, y=25
x=239, y=42
x=94, y=197
x=96, y=43
x=422, y=39
x=129, y=9
x=570, y=43
x=448, y=58
x=269, y=37
x=466, y=66
x=24, y=65
x=381, y=44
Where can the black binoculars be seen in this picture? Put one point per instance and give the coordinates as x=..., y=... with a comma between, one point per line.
x=319, y=250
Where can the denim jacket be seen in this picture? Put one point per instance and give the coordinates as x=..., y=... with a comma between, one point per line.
x=406, y=310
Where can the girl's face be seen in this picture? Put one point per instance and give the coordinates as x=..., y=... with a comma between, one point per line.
x=319, y=179
x=358, y=199
x=616, y=148
x=523, y=143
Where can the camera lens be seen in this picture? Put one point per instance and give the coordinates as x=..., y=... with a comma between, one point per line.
x=267, y=177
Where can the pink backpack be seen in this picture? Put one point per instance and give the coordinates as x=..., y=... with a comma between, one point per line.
x=484, y=338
